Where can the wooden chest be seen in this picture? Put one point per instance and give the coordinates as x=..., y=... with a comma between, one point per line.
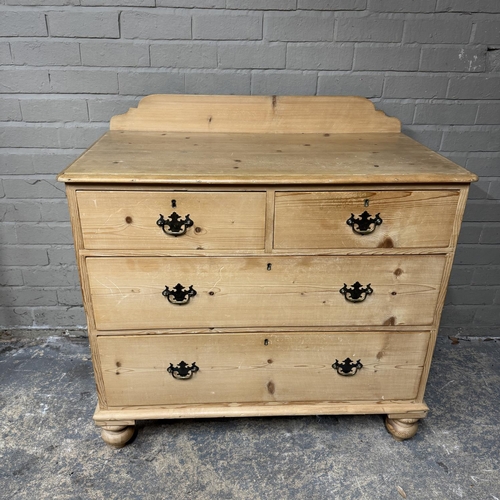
x=245, y=256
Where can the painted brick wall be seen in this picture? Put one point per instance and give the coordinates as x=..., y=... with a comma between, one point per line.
x=67, y=66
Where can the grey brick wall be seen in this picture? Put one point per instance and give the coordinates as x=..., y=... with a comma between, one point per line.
x=67, y=66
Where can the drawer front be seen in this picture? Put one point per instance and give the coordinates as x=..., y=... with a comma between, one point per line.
x=128, y=220
x=261, y=367
x=407, y=219
x=272, y=291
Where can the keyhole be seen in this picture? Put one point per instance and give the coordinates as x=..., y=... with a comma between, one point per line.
x=174, y=203
x=269, y=266
x=266, y=341
x=367, y=203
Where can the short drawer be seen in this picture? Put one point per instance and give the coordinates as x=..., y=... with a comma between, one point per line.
x=364, y=219
x=261, y=367
x=273, y=291
x=140, y=220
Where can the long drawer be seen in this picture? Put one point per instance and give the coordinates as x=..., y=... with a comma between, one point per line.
x=145, y=220
x=273, y=291
x=261, y=367
x=364, y=219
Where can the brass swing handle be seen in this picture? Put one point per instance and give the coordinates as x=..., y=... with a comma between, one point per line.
x=348, y=367
x=179, y=295
x=176, y=226
x=182, y=371
x=364, y=223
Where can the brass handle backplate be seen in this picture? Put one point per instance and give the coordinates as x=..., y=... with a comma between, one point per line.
x=176, y=226
x=364, y=223
x=182, y=371
x=348, y=367
x=179, y=295
x=357, y=293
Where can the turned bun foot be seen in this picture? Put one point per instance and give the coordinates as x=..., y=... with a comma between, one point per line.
x=401, y=428
x=117, y=435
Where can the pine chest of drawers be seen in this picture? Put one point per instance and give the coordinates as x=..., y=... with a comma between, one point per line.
x=244, y=256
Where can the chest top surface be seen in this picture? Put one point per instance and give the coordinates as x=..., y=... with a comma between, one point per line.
x=259, y=141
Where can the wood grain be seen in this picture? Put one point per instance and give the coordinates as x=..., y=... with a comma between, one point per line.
x=258, y=291
x=255, y=114
x=261, y=367
x=401, y=409
x=258, y=159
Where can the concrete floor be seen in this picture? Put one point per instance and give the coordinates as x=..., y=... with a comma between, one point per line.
x=50, y=449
